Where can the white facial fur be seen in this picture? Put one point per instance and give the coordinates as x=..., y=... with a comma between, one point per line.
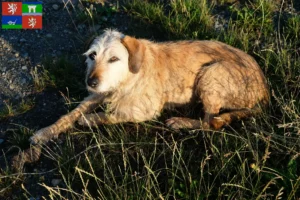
x=111, y=74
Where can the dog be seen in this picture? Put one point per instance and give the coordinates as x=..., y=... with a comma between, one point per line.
x=138, y=78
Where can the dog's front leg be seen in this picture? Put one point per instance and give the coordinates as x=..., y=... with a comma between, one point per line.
x=98, y=119
x=66, y=121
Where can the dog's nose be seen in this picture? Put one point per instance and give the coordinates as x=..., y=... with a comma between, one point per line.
x=92, y=82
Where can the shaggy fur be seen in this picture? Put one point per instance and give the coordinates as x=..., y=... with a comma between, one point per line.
x=138, y=78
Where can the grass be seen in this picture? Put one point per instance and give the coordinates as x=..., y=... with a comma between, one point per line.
x=15, y=109
x=61, y=74
x=184, y=19
x=64, y=75
x=254, y=159
x=41, y=79
x=95, y=13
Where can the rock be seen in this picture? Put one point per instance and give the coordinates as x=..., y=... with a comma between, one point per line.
x=95, y=28
x=23, y=81
x=12, y=60
x=55, y=182
x=104, y=19
x=49, y=35
x=24, y=67
x=58, y=53
x=34, y=198
x=11, y=87
x=1, y=141
x=55, y=6
x=81, y=7
x=22, y=40
x=81, y=26
x=72, y=2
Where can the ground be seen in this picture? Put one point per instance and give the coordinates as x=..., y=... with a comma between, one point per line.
x=42, y=75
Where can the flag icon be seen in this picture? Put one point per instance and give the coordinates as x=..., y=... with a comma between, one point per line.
x=12, y=8
x=32, y=8
x=11, y=22
x=32, y=15
x=31, y=22
x=18, y=15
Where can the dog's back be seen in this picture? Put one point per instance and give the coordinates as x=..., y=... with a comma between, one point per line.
x=220, y=76
x=188, y=68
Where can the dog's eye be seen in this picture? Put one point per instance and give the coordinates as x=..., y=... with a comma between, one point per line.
x=92, y=55
x=113, y=59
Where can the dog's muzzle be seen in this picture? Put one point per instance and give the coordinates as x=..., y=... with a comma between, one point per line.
x=92, y=82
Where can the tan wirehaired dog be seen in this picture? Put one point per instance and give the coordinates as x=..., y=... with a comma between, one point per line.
x=138, y=78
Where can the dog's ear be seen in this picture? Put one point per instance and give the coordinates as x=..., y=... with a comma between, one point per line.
x=136, y=52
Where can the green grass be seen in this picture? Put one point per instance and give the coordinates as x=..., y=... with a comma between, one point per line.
x=15, y=109
x=64, y=75
x=183, y=20
x=95, y=13
x=254, y=159
x=60, y=73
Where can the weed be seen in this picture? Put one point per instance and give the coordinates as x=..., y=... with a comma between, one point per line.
x=182, y=19
x=62, y=74
x=293, y=28
x=95, y=13
x=41, y=79
x=7, y=111
x=8, y=182
x=11, y=110
x=19, y=137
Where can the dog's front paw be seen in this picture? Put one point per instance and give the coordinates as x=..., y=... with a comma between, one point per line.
x=42, y=136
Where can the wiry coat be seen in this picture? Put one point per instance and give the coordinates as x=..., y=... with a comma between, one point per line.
x=138, y=79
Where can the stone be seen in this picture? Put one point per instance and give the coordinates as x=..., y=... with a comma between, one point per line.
x=104, y=19
x=24, y=67
x=55, y=6
x=11, y=87
x=55, y=182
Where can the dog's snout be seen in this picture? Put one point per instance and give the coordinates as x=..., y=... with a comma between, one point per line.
x=92, y=82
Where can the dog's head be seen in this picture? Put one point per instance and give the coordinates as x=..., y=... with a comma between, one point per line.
x=111, y=58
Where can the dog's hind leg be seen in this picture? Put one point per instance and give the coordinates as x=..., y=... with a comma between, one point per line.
x=211, y=107
x=226, y=118
x=66, y=121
